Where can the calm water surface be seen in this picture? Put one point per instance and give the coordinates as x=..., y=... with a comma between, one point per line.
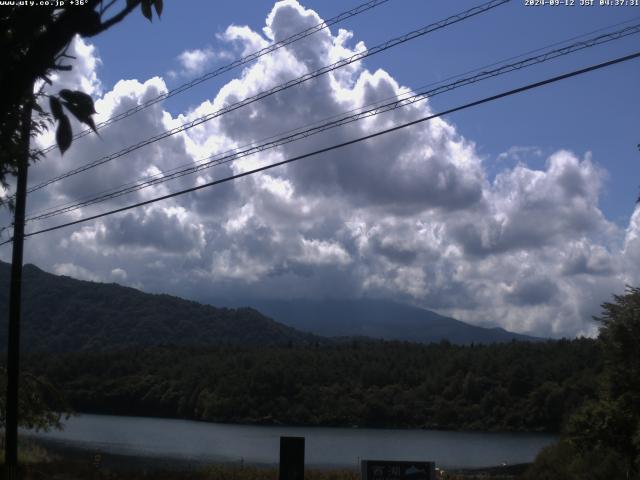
x=325, y=447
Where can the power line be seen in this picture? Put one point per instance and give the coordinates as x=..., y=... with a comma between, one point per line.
x=279, y=88
x=298, y=134
x=530, y=52
x=379, y=102
x=344, y=144
x=236, y=63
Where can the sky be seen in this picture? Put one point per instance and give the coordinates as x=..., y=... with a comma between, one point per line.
x=519, y=213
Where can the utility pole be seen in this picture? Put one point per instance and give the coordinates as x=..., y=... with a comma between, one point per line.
x=15, y=297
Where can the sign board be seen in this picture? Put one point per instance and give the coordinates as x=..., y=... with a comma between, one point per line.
x=392, y=470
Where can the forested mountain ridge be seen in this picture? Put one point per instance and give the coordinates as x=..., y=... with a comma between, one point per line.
x=509, y=386
x=114, y=349
x=380, y=319
x=62, y=314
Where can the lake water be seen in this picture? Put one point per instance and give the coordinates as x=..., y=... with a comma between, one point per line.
x=325, y=447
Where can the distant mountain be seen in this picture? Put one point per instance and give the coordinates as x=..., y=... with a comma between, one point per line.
x=379, y=319
x=64, y=314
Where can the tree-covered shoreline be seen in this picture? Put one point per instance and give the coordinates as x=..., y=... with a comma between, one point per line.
x=601, y=440
x=517, y=386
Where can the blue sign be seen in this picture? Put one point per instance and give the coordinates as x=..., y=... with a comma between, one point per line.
x=392, y=470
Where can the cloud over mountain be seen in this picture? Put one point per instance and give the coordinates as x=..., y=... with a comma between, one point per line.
x=411, y=215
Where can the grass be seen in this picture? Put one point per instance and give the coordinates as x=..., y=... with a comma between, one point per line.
x=65, y=470
x=29, y=452
x=40, y=462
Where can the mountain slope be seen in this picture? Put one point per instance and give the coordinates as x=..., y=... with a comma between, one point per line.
x=379, y=319
x=65, y=314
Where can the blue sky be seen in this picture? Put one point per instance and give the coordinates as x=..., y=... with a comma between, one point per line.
x=519, y=213
x=591, y=114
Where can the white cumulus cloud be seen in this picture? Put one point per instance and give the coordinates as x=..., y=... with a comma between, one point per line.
x=412, y=215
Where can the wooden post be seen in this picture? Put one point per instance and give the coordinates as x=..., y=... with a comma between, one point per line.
x=15, y=298
x=291, y=458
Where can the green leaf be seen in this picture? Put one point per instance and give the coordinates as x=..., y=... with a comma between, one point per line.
x=63, y=134
x=80, y=105
x=56, y=107
x=84, y=101
x=159, y=5
x=81, y=114
x=38, y=108
x=145, y=6
x=92, y=124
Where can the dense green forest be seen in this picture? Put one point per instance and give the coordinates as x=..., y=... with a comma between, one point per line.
x=601, y=440
x=515, y=386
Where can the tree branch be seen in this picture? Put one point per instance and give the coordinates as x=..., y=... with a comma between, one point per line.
x=131, y=5
x=103, y=9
